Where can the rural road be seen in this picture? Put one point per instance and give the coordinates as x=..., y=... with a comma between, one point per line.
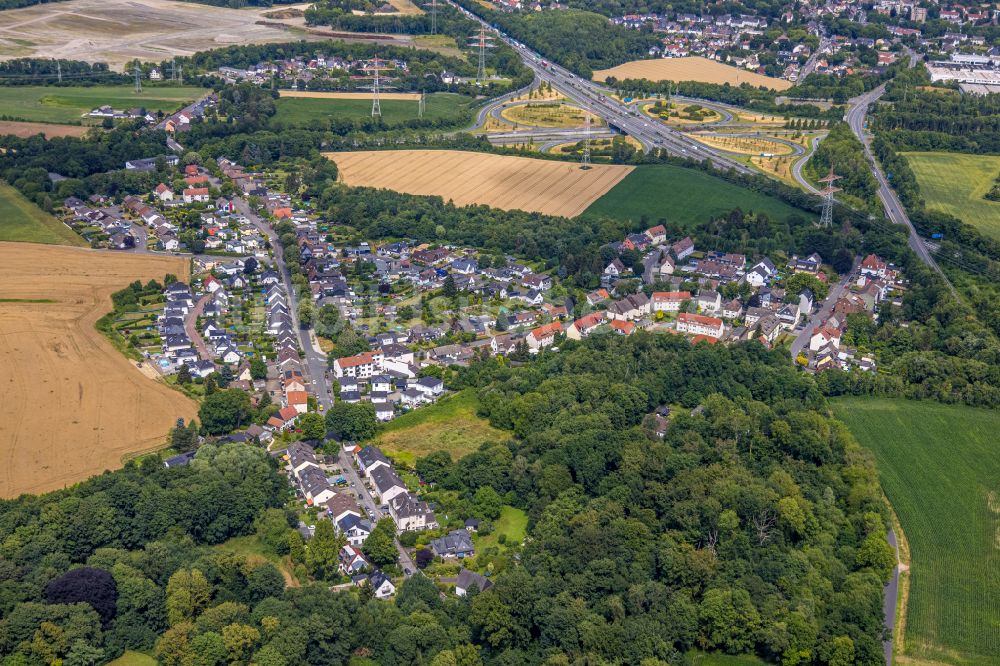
x=891, y=599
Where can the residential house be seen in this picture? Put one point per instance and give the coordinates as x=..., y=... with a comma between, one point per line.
x=354, y=528
x=457, y=544
x=195, y=194
x=381, y=584
x=352, y=560
x=695, y=324
x=543, y=336
x=371, y=458
x=363, y=365
x=669, y=301
x=468, y=580
x=411, y=514
x=584, y=326
x=387, y=484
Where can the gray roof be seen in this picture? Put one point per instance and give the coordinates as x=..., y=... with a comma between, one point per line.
x=385, y=479
x=468, y=579
x=453, y=543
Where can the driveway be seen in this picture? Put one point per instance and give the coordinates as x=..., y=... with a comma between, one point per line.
x=191, y=328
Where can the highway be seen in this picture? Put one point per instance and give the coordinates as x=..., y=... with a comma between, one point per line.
x=593, y=98
x=890, y=202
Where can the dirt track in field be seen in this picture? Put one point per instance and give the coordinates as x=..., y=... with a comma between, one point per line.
x=501, y=181
x=692, y=68
x=348, y=95
x=71, y=405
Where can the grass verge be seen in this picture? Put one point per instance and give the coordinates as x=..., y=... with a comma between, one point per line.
x=24, y=222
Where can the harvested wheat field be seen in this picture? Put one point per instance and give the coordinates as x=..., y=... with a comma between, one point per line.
x=501, y=181
x=348, y=95
x=692, y=68
x=71, y=405
x=51, y=131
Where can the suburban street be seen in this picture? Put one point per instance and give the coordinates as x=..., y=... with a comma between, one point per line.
x=315, y=362
x=191, y=328
x=821, y=315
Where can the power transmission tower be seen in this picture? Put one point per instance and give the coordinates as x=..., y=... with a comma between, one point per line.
x=420, y=105
x=585, y=163
x=59, y=71
x=138, y=79
x=180, y=73
x=376, y=107
x=482, y=41
x=434, y=17
x=173, y=69
x=826, y=219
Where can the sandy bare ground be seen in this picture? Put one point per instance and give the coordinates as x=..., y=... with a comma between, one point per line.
x=117, y=31
x=71, y=405
x=347, y=95
x=693, y=68
x=25, y=130
x=502, y=181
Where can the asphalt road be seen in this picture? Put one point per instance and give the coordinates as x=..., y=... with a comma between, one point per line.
x=890, y=202
x=315, y=362
x=821, y=315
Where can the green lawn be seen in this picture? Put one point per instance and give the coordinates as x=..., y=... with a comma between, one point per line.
x=53, y=104
x=682, y=196
x=308, y=112
x=133, y=658
x=450, y=425
x=512, y=522
x=23, y=221
x=955, y=183
x=940, y=468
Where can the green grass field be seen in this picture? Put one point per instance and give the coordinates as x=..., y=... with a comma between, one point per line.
x=512, y=522
x=51, y=104
x=305, y=111
x=955, y=183
x=23, y=221
x=133, y=658
x=940, y=468
x=682, y=196
x=450, y=425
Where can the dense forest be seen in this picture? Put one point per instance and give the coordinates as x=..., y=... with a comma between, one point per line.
x=755, y=525
x=919, y=119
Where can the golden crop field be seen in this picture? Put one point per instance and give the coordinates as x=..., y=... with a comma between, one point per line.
x=71, y=405
x=51, y=131
x=348, y=95
x=502, y=181
x=743, y=145
x=692, y=68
